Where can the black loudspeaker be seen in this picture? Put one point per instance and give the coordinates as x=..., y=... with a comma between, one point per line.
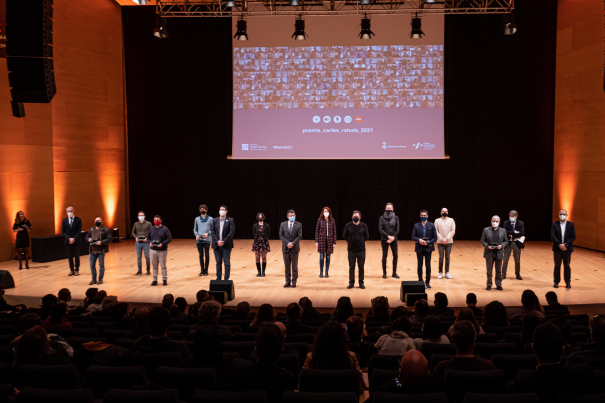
x=6, y=280
x=29, y=50
x=223, y=285
x=411, y=287
x=219, y=296
x=18, y=109
x=412, y=297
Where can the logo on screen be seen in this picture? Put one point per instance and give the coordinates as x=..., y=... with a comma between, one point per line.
x=316, y=119
x=384, y=145
x=327, y=119
x=419, y=144
x=244, y=147
x=357, y=119
x=337, y=119
x=348, y=119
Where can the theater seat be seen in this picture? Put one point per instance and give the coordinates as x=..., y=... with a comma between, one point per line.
x=100, y=379
x=487, y=382
x=384, y=397
x=429, y=349
x=300, y=338
x=485, y=350
x=516, y=398
x=582, y=398
x=36, y=395
x=387, y=362
x=151, y=361
x=380, y=377
x=327, y=381
x=48, y=376
x=511, y=363
x=141, y=396
x=437, y=358
x=336, y=397
x=185, y=380
x=244, y=348
x=211, y=396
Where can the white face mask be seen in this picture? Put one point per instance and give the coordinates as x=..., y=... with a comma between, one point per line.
x=562, y=217
x=70, y=214
x=512, y=219
x=495, y=224
x=222, y=213
x=141, y=218
x=326, y=214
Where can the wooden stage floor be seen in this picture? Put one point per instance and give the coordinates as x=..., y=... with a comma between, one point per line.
x=467, y=268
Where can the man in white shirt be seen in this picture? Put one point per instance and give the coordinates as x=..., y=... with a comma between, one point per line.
x=446, y=228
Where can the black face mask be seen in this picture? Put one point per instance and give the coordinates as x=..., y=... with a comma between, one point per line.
x=355, y=219
x=443, y=214
x=98, y=223
x=260, y=219
x=388, y=211
x=204, y=212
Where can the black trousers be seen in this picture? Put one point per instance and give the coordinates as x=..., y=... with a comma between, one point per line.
x=73, y=256
x=427, y=258
x=385, y=253
x=360, y=257
x=565, y=257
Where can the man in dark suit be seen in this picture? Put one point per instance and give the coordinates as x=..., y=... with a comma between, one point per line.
x=494, y=241
x=290, y=233
x=71, y=230
x=515, y=229
x=562, y=234
x=222, y=242
x=425, y=236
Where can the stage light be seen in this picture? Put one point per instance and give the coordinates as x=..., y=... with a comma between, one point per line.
x=416, y=28
x=365, y=3
x=366, y=33
x=295, y=3
x=430, y=1
x=160, y=28
x=116, y=235
x=299, y=29
x=230, y=3
x=140, y=2
x=241, y=34
x=509, y=24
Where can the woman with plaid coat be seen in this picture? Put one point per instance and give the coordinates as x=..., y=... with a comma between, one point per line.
x=325, y=239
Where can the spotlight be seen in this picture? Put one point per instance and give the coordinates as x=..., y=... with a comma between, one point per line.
x=365, y=2
x=140, y=2
x=230, y=3
x=295, y=3
x=416, y=28
x=366, y=33
x=241, y=34
x=299, y=29
x=509, y=24
x=160, y=27
x=430, y=1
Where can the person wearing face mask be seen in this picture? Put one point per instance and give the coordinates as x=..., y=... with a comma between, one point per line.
x=425, y=236
x=494, y=240
x=290, y=234
x=325, y=239
x=140, y=230
x=356, y=234
x=159, y=236
x=223, y=230
x=446, y=228
x=202, y=229
x=71, y=228
x=562, y=234
x=260, y=246
x=388, y=226
x=515, y=229
x=98, y=239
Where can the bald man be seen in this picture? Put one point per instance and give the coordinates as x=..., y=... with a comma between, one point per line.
x=413, y=377
x=98, y=239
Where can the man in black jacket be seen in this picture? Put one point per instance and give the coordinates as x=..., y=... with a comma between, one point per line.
x=223, y=230
x=356, y=234
x=98, y=238
x=515, y=229
x=388, y=226
x=562, y=234
x=71, y=229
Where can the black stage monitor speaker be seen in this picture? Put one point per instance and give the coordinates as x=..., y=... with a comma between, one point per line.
x=18, y=109
x=223, y=285
x=6, y=280
x=411, y=287
x=412, y=297
x=219, y=296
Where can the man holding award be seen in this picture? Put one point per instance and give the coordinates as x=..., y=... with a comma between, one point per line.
x=494, y=240
x=425, y=236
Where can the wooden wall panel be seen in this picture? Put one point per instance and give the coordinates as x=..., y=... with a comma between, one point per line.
x=579, y=165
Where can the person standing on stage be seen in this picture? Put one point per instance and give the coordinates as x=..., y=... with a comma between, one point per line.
x=515, y=229
x=290, y=233
x=425, y=236
x=260, y=247
x=446, y=228
x=22, y=227
x=325, y=239
x=356, y=234
x=388, y=226
x=202, y=229
x=562, y=233
x=223, y=230
x=98, y=238
x=494, y=240
x=71, y=229
x=160, y=237
x=140, y=230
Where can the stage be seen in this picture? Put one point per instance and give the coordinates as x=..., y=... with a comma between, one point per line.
x=467, y=268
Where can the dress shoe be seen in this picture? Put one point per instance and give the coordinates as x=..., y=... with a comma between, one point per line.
x=20, y=267
x=427, y=286
x=100, y=281
x=395, y=275
x=293, y=284
x=148, y=272
x=503, y=276
x=321, y=275
x=489, y=288
x=499, y=288
x=568, y=285
x=165, y=282
x=287, y=284
x=363, y=287
x=440, y=275
x=556, y=285
x=448, y=276
x=93, y=282
x=384, y=275
x=71, y=273
x=350, y=286
x=77, y=273
x=154, y=283
x=519, y=277
x=139, y=273
x=201, y=273
x=326, y=276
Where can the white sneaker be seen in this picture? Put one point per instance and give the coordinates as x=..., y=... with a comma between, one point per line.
x=440, y=275
x=448, y=275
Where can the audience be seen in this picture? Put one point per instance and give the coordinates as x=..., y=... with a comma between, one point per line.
x=309, y=314
x=440, y=308
x=553, y=303
x=46, y=306
x=207, y=351
x=34, y=348
x=344, y=310
x=57, y=320
x=530, y=304
x=264, y=315
x=565, y=328
x=413, y=378
x=355, y=329
x=529, y=323
x=463, y=338
x=108, y=303
x=471, y=302
x=121, y=318
x=178, y=309
x=208, y=315
x=97, y=303
x=64, y=295
x=594, y=354
x=468, y=315
x=90, y=296
x=495, y=315
x=141, y=327
x=294, y=313
x=57, y=343
x=431, y=332
x=380, y=310
x=168, y=301
x=158, y=341
x=243, y=310
x=421, y=311
x=398, y=341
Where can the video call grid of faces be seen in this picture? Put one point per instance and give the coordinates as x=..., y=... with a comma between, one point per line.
x=309, y=77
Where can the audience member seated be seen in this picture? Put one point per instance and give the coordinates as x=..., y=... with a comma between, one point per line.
x=34, y=348
x=64, y=295
x=565, y=327
x=594, y=354
x=168, y=301
x=431, y=332
x=309, y=314
x=529, y=323
x=264, y=315
x=90, y=296
x=294, y=313
x=46, y=306
x=141, y=327
x=463, y=338
x=178, y=309
x=242, y=309
x=530, y=304
x=207, y=351
x=553, y=303
x=495, y=315
x=551, y=379
x=194, y=309
x=344, y=310
x=421, y=311
x=331, y=351
x=380, y=310
x=471, y=302
x=121, y=318
x=468, y=315
x=57, y=343
x=108, y=303
x=355, y=329
x=97, y=303
x=57, y=320
x=244, y=375
x=158, y=341
x=395, y=314
x=5, y=307
x=398, y=341
x=413, y=378
x=208, y=315
x=440, y=307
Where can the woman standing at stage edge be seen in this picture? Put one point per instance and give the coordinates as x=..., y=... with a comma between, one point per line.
x=260, y=247
x=22, y=228
x=325, y=239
